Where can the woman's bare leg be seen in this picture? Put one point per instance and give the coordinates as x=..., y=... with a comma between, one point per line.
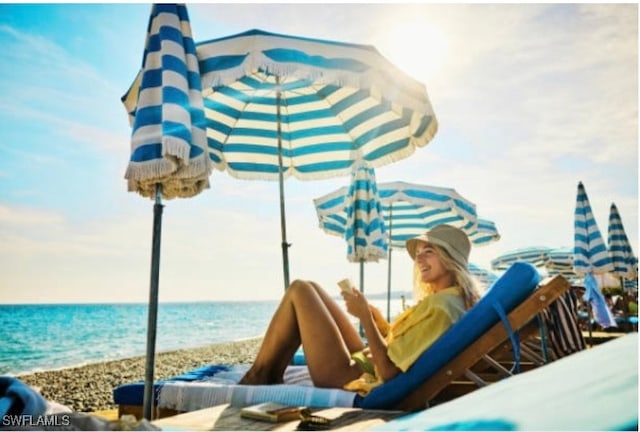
x=309, y=316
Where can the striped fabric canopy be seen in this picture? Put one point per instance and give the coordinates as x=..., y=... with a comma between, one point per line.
x=534, y=255
x=168, y=142
x=411, y=209
x=625, y=264
x=560, y=262
x=365, y=232
x=277, y=106
x=326, y=103
x=354, y=213
x=166, y=111
x=590, y=253
x=485, y=277
x=486, y=233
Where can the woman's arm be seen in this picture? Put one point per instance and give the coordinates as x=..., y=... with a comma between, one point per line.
x=358, y=306
x=379, y=320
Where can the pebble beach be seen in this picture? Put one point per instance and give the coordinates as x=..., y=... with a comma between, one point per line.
x=90, y=387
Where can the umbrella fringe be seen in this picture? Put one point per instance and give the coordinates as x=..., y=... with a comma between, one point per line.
x=185, y=181
x=257, y=61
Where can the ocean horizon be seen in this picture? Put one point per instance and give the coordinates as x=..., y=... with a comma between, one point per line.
x=39, y=337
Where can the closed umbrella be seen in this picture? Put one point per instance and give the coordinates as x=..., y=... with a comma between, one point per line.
x=280, y=105
x=354, y=213
x=591, y=257
x=168, y=142
x=625, y=263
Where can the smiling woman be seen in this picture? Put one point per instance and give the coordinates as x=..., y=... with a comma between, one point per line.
x=416, y=46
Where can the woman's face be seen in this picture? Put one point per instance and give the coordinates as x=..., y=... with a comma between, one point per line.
x=431, y=268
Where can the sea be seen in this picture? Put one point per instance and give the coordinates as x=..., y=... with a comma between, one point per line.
x=38, y=337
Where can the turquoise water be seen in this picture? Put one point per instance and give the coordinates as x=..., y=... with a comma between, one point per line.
x=43, y=337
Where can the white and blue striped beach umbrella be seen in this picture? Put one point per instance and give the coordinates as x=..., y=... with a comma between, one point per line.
x=591, y=257
x=166, y=111
x=560, y=262
x=486, y=233
x=168, y=142
x=485, y=277
x=411, y=209
x=280, y=105
x=354, y=213
x=625, y=263
x=537, y=256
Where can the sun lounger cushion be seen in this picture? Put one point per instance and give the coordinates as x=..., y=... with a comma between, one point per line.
x=511, y=289
x=215, y=385
x=133, y=393
x=594, y=389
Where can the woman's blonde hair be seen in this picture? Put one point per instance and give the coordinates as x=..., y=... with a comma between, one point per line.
x=465, y=280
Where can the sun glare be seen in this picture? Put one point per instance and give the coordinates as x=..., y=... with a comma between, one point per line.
x=417, y=47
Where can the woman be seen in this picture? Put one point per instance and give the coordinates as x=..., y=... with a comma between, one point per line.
x=308, y=315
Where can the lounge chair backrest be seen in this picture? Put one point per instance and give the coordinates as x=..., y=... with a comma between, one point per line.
x=511, y=289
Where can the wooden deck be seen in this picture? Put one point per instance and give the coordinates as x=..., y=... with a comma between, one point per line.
x=226, y=417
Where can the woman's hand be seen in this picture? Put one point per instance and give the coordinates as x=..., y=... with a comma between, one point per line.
x=356, y=304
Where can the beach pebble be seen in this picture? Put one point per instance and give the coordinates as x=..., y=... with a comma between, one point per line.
x=90, y=388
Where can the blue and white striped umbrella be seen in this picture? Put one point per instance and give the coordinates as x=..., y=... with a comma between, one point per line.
x=485, y=277
x=166, y=111
x=625, y=263
x=280, y=105
x=411, y=209
x=560, y=262
x=591, y=257
x=168, y=142
x=534, y=255
x=354, y=213
x=358, y=210
x=325, y=103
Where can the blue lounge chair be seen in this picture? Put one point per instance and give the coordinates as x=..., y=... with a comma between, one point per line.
x=594, y=389
x=509, y=304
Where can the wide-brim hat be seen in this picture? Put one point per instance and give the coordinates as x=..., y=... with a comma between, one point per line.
x=451, y=239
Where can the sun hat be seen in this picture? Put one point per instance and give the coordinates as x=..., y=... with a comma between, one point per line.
x=450, y=238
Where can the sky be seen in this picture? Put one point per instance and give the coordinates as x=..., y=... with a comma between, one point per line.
x=530, y=99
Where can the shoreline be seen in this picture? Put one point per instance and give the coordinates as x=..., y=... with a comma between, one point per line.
x=89, y=388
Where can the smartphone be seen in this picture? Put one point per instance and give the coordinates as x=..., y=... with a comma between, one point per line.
x=346, y=285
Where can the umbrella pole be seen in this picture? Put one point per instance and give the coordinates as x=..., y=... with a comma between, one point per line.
x=361, y=289
x=389, y=287
x=590, y=317
x=283, y=219
x=153, y=304
x=389, y=265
